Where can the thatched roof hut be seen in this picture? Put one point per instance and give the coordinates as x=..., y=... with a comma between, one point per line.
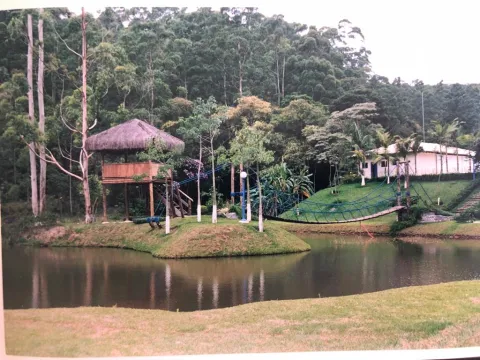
x=130, y=136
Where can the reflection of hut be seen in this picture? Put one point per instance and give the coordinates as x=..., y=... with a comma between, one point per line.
x=129, y=138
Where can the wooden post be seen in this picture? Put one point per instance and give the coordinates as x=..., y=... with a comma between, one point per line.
x=232, y=183
x=150, y=187
x=104, y=200
x=125, y=190
x=172, y=206
x=189, y=207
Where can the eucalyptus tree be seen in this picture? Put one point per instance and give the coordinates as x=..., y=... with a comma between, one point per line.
x=250, y=144
x=202, y=125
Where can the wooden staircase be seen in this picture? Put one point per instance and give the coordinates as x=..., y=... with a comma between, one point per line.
x=180, y=202
x=471, y=201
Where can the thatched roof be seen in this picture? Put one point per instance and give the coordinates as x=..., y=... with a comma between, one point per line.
x=132, y=135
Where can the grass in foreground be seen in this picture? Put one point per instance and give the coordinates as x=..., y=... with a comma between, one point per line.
x=435, y=316
x=188, y=238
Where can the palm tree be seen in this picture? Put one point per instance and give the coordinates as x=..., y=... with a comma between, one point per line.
x=403, y=148
x=362, y=143
x=384, y=139
x=416, y=147
x=443, y=133
x=359, y=154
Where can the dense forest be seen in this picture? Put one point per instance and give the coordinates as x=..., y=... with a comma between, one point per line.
x=309, y=92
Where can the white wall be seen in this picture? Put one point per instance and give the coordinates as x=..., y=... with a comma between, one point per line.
x=427, y=164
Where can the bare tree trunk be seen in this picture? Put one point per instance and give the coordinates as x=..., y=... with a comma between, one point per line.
x=152, y=82
x=458, y=162
x=199, y=197
x=84, y=155
x=446, y=158
x=283, y=79
x=260, y=206
x=41, y=117
x=361, y=172
x=240, y=74
x=214, y=191
x=232, y=183
x=14, y=167
x=388, y=171
x=249, y=203
x=70, y=178
x=31, y=115
x=225, y=85
x=278, y=82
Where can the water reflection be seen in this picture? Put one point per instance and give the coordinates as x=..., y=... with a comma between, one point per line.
x=41, y=277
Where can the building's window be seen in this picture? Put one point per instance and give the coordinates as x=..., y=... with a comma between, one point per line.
x=383, y=163
x=365, y=165
x=394, y=162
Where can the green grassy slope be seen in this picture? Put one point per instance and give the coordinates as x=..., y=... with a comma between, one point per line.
x=354, y=201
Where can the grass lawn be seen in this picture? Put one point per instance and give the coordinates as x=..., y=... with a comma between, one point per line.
x=447, y=229
x=446, y=190
x=435, y=316
x=355, y=201
x=187, y=238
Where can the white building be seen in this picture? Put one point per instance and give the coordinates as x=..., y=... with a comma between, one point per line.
x=428, y=162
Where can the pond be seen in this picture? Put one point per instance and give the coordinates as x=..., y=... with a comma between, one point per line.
x=336, y=266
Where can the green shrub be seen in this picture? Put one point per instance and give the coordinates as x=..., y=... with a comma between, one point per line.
x=407, y=220
x=204, y=209
x=236, y=209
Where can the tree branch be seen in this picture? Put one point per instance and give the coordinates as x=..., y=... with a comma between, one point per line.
x=68, y=47
x=49, y=158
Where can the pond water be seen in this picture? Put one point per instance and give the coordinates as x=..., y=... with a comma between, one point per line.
x=336, y=266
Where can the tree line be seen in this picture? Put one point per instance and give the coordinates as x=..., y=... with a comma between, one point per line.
x=305, y=93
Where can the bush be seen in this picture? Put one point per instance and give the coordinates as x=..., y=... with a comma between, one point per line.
x=350, y=178
x=236, y=209
x=407, y=220
x=204, y=209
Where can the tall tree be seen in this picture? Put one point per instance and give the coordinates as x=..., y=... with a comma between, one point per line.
x=41, y=116
x=31, y=115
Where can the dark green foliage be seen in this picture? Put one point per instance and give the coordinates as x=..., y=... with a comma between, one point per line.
x=407, y=219
x=155, y=69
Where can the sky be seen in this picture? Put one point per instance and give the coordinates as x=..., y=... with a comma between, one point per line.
x=411, y=39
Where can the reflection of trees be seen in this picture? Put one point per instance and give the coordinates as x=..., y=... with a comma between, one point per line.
x=335, y=266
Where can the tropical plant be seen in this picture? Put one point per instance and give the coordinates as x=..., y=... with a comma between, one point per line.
x=384, y=140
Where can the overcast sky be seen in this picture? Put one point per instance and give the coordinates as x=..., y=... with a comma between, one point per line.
x=421, y=39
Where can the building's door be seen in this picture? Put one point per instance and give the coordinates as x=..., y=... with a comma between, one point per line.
x=374, y=171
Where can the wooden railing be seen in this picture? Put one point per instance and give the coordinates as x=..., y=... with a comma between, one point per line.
x=125, y=173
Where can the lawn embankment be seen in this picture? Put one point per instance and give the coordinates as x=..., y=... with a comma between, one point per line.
x=188, y=239
x=435, y=316
x=447, y=229
x=353, y=201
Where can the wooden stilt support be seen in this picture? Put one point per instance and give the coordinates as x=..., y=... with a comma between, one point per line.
x=125, y=190
x=150, y=188
x=104, y=200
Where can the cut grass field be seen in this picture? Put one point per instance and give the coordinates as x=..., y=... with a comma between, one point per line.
x=188, y=239
x=435, y=316
x=356, y=201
